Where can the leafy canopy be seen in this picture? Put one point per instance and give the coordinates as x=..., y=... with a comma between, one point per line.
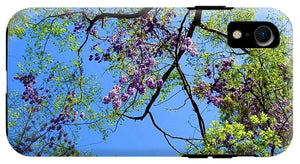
x=145, y=54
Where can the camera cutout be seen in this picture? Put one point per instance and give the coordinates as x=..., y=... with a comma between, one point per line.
x=263, y=36
x=252, y=35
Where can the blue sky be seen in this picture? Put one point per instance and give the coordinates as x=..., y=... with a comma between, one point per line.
x=132, y=137
x=138, y=138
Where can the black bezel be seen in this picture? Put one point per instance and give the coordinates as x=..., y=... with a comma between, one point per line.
x=248, y=38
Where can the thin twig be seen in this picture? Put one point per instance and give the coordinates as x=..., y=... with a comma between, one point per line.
x=177, y=108
x=168, y=98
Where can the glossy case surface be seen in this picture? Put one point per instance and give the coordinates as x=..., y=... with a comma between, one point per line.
x=146, y=82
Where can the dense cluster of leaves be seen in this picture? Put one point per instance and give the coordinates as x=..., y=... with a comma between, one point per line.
x=253, y=93
x=146, y=51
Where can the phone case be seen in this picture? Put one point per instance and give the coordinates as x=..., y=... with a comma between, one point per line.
x=146, y=82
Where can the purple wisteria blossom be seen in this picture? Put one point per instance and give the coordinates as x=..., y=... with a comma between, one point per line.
x=124, y=97
x=106, y=100
x=123, y=79
x=159, y=83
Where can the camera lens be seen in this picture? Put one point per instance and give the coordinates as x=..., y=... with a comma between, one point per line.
x=263, y=36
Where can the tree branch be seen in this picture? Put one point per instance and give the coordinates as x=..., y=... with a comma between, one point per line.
x=187, y=88
x=195, y=22
x=142, y=12
x=179, y=107
x=179, y=33
x=205, y=27
x=168, y=98
x=173, y=137
x=91, y=23
x=171, y=144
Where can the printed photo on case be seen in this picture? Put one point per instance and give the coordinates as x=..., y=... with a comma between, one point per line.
x=146, y=82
